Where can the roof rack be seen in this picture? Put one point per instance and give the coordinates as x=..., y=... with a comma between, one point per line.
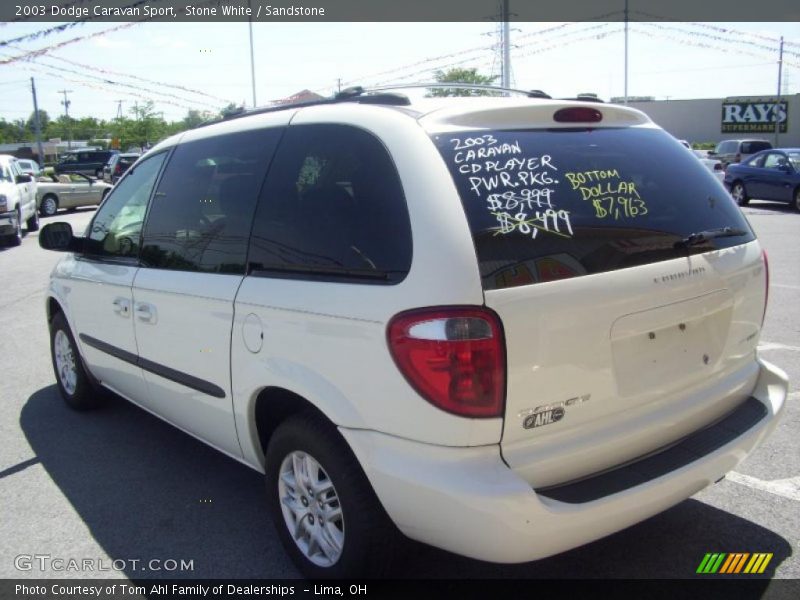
x=463, y=86
x=376, y=95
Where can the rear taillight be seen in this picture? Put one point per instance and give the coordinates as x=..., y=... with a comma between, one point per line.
x=118, y=169
x=454, y=358
x=766, y=286
x=737, y=158
x=578, y=114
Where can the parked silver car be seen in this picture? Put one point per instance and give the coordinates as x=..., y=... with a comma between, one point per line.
x=68, y=190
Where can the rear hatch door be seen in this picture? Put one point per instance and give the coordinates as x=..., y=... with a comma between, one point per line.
x=629, y=285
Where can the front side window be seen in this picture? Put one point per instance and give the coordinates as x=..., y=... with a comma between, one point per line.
x=117, y=225
x=774, y=160
x=203, y=208
x=553, y=204
x=332, y=208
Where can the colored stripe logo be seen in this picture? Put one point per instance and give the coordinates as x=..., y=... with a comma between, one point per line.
x=734, y=563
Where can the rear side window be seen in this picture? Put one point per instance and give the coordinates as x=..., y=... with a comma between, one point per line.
x=552, y=204
x=202, y=211
x=756, y=161
x=332, y=208
x=757, y=146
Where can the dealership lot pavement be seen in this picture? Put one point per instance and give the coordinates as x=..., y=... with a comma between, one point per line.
x=120, y=485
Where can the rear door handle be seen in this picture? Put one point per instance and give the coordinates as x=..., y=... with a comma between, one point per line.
x=122, y=306
x=145, y=312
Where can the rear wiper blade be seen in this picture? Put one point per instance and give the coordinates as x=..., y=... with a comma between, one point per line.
x=697, y=238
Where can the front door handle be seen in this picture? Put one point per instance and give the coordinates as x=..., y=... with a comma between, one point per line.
x=122, y=306
x=146, y=312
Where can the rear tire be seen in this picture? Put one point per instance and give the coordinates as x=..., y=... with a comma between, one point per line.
x=328, y=518
x=49, y=206
x=796, y=202
x=33, y=222
x=739, y=194
x=71, y=376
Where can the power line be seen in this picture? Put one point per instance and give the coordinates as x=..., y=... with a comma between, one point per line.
x=47, y=49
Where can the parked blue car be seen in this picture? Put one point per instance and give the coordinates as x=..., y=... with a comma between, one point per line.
x=769, y=175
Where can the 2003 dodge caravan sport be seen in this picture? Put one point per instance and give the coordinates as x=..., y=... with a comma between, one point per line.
x=503, y=326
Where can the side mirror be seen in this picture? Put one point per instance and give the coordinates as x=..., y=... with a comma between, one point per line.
x=24, y=178
x=785, y=167
x=59, y=238
x=712, y=152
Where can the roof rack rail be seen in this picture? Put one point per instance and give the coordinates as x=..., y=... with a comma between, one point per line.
x=586, y=98
x=463, y=86
x=376, y=95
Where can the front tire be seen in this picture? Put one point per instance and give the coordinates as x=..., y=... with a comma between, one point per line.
x=328, y=518
x=15, y=239
x=739, y=194
x=71, y=376
x=796, y=201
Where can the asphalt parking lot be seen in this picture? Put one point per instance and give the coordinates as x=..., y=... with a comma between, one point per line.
x=119, y=484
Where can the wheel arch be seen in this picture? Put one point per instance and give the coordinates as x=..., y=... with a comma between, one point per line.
x=271, y=407
x=53, y=306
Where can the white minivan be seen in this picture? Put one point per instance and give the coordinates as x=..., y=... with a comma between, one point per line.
x=502, y=326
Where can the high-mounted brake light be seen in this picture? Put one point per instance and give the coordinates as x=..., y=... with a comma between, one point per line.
x=454, y=358
x=578, y=114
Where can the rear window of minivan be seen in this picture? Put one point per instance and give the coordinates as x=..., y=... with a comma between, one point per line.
x=553, y=204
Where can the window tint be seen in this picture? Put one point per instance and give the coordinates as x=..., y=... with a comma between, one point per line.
x=757, y=146
x=203, y=208
x=332, y=208
x=117, y=225
x=553, y=204
x=726, y=147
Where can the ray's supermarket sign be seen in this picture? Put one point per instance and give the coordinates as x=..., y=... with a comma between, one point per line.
x=754, y=115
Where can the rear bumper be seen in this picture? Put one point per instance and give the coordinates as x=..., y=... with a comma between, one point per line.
x=466, y=500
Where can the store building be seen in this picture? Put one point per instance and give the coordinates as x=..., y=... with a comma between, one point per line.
x=715, y=119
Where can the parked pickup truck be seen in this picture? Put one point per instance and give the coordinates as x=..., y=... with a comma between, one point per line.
x=17, y=201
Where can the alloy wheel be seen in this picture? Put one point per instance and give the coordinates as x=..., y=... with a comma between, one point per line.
x=311, y=508
x=65, y=362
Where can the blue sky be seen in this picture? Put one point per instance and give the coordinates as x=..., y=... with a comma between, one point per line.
x=675, y=60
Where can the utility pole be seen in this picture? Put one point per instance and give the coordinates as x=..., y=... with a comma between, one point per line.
x=338, y=84
x=777, y=111
x=66, y=102
x=505, y=79
x=625, y=101
x=252, y=59
x=119, y=108
x=37, y=125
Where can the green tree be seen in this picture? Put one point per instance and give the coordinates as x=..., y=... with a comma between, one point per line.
x=230, y=109
x=14, y=131
x=470, y=76
x=194, y=118
x=44, y=121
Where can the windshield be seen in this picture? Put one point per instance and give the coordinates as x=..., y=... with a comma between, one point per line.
x=553, y=204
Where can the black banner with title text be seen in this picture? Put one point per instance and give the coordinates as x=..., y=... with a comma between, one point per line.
x=394, y=11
